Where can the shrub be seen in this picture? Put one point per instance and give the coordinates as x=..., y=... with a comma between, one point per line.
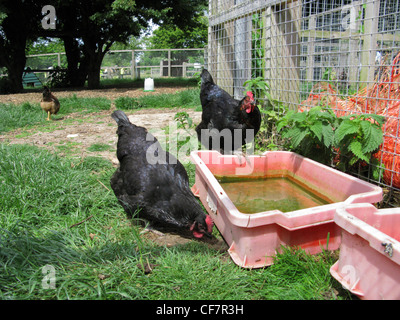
x=318, y=134
x=310, y=133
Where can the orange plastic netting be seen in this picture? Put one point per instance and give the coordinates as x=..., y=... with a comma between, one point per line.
x=382, y=98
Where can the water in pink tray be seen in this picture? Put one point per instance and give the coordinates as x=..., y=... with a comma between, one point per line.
x=292, y=201
x=271, y=193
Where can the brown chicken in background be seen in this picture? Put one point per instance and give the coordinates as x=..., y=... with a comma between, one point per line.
x=49, y=103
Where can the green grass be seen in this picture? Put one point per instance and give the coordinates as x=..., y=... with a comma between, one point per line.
x=19, y=116
x=100, y=147
x=183, y=99
x=30, y=114
x=61, y=212
x=83, y=105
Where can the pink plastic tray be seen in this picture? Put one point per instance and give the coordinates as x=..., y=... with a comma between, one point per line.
x=255, y=238
x=369, y=260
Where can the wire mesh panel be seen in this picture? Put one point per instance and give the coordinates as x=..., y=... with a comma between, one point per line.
x=340, y=54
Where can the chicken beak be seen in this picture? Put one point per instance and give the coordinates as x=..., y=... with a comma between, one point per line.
x=208, y=235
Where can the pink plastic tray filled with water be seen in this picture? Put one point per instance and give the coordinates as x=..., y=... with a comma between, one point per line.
x=255, y=238
x=369, y=260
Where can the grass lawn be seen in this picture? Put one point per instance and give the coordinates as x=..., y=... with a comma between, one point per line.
x=63, y=235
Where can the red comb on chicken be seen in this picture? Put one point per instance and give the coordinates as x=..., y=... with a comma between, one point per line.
x=248, y=103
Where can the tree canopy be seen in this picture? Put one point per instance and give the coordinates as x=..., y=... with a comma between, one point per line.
x=171, y=36
x=88, y=29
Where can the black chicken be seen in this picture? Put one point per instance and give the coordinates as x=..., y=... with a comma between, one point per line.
x=225, y=120
x=155, y=183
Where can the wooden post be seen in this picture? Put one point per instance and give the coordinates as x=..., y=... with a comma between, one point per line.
x=283, y=56
x=354, y=40
x=133, y=65
x=226, y=54
x=169, y=62
x=184, y=70
x=311, y=49
x=369, y=42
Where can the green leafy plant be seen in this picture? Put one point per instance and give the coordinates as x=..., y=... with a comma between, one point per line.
x=271, y=110
x=358, y=137
x=320, y=135
x=58, y=77
x=310, y=133
x=260, y=88
x=268, y=137
x=183, y=119
x=257, y=46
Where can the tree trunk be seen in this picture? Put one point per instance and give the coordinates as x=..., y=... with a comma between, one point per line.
x=15, y=72
x=77, y=69
x=15, y=64
x=96, y=58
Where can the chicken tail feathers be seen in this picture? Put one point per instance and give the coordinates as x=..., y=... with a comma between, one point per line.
x=206, y=77
x=120, y=117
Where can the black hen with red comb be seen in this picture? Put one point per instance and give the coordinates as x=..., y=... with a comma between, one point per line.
x=154, y=184
x=226, y=123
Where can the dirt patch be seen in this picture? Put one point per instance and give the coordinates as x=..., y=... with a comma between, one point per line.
x=75, y=134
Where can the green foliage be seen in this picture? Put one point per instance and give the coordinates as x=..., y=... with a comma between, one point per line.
x=58, y=77
x=260, y=88
x=317, y=133
x=184, y=120
x=44, y=45
x=99, y=147
x=18, y=116
x=271, y=110
x=258, y=47
x=182, y=99
x=358, y=137
x=127, y=103
x=83, y=105
x=268, y=137
x=310, y=133
x=170, y=36
x=28, y=114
